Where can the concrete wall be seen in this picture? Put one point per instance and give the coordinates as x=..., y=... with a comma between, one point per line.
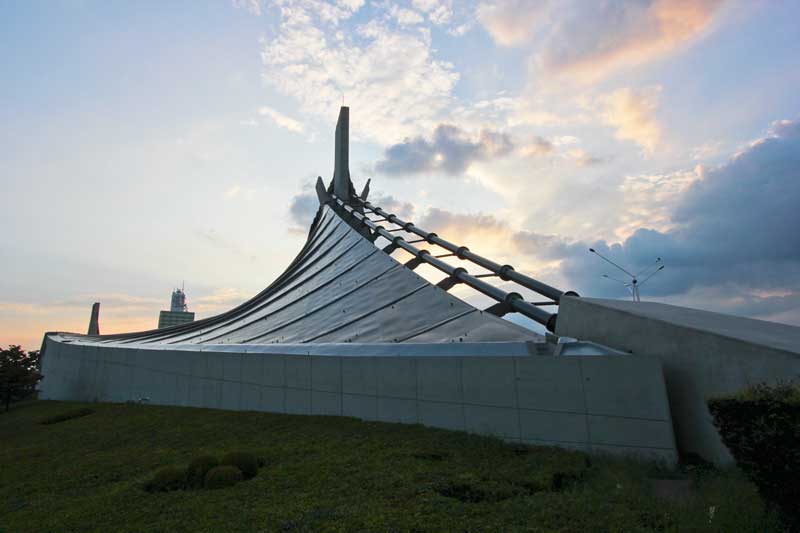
x=575, y=402
x=703, y=354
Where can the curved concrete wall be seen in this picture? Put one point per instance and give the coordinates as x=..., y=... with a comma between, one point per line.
x=703, y=354
x=613, y=404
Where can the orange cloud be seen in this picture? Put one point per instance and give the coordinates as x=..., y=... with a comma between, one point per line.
x=586, y=41
x=511, y=22
x=632, y=113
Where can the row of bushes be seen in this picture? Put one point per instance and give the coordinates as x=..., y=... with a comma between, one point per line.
x=207, y=472
x=761, y=428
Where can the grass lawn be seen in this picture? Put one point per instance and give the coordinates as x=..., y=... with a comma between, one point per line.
x=331, y=474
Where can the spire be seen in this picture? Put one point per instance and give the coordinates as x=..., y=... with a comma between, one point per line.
x=342, y=186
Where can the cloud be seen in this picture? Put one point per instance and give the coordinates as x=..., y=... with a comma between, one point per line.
x=392, y=95
x=404, y=210
x=220, y=300
x=735, y=224
x=281, y=120
x=649, y=200
x=405, y=17
x=583, y=158
x=303, y=208
x=253, y=6
x=213, y=238
x=304, y=205
x=536, y=147
x=511, y=22
x=731, y=242
x=450, y=150
x=632, y=113
x=589, y=40
x=439, y=11
x=605, y=36
x=233, y=191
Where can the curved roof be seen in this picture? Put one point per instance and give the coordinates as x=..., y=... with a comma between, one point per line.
x=341, y=288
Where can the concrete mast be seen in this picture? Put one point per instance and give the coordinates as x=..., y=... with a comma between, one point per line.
x=342, y=186
x=94, y=321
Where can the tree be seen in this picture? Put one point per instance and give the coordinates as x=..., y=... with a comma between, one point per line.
x=19, y=374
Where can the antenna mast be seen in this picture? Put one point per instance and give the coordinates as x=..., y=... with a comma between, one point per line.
x=634, y=284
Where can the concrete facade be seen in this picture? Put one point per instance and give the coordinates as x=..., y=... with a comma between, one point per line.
x=576, y=402
x=703, y=355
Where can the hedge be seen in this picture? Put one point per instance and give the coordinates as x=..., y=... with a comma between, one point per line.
x=167, y=479
x=761, y=428
x=198, y=468
x=246, y=462
x=223, y=476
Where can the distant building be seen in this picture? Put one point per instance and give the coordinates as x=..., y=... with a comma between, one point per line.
x=178, y=311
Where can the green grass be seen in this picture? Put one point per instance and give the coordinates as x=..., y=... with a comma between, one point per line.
x=330, y=474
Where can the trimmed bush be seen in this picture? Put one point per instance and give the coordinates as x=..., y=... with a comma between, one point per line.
x=67, y=415
x=167, y=479
x=246, y=462
x=761, y=428
x=223, y=476
x=198, y=468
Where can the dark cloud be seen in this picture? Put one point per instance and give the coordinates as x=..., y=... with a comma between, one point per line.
x=387, y=202
x=302, y=210
x=304, y=205
x=450, y=150
x=738, y=224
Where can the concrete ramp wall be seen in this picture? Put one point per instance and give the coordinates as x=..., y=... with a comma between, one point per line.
x=614, y=404
x=703, y=354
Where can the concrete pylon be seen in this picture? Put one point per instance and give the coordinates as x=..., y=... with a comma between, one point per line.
x=342, y=186
x=94, y=322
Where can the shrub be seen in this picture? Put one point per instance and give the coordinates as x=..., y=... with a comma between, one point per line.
x=761, y=428
x=246, y=462
x=198, y=468
x=68, y=415
x=19, y=374
x=167, y=479
x=223, y=476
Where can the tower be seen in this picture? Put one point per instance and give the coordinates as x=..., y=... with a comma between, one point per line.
x=178, y=311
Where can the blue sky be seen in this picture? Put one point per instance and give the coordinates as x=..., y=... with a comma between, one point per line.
x=146, y=143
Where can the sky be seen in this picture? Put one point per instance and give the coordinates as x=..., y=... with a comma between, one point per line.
x=149, y=144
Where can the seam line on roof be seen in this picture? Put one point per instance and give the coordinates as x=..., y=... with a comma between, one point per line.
x=299, y=298
x=426, y=329
x=321, y=307
x=368, y=313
